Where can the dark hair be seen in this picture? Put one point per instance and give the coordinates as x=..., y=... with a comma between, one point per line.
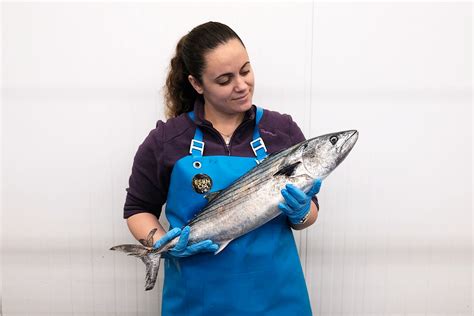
x=189, y=60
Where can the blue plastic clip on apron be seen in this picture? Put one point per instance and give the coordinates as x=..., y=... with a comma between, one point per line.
x=256, y=274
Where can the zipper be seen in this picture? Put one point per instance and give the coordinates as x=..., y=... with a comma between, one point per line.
x=215, y=132
x=227, y=146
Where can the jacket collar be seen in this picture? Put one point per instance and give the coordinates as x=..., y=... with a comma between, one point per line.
x=201, y=121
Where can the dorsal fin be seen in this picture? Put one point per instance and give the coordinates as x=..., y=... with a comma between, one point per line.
x=287, y=170
x=211, y=195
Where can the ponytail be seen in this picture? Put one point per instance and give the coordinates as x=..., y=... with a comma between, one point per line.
x=179, y=93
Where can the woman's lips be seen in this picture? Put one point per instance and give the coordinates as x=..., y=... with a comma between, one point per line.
x=241, y=98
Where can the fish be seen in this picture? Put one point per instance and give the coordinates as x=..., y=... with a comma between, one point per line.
x=252, y=200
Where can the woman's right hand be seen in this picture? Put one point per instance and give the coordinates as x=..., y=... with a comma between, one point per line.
x=182, y=249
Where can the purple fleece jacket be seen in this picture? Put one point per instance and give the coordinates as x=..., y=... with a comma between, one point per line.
x=170, y=140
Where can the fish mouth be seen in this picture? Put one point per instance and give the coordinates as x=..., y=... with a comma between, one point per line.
x=349, y=143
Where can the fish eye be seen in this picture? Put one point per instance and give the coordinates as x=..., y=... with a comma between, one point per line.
x=333, y=139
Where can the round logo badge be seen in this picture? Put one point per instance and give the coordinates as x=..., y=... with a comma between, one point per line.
x=202, y=183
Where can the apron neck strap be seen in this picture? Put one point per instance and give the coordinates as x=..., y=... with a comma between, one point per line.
x=258, y=146
x=197, y=145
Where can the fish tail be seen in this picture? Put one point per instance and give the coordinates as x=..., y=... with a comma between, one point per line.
x=150, y=257
x=152, y=263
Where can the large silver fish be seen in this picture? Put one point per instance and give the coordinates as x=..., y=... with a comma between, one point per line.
x=252, y=200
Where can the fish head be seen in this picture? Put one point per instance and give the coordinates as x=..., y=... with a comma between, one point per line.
x=322, y=154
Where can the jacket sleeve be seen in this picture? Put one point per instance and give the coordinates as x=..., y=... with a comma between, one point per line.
x=146, y=192
x=297, y=136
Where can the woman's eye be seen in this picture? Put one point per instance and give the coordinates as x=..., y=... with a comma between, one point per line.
x=333, y=140
x=244, y=72
x=223, y=82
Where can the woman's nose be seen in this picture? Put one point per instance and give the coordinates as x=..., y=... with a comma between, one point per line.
x=240, y=84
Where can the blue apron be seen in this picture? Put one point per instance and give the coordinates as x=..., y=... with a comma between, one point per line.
x=256, y=274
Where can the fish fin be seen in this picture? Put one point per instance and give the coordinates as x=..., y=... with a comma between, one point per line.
x=211, y=195
x=132, y=250
x=150, y=258
x=287, y=170
x=222, y=246
x=152, y=264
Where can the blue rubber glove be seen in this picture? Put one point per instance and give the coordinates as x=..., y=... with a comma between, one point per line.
x=167, y=237
x=298, y=203
x=182, y=249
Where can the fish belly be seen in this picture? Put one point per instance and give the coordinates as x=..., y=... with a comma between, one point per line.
x=243, y=214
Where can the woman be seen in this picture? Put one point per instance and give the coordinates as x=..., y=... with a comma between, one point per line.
x=213, y=136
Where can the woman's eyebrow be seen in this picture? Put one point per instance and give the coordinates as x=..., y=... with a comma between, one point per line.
x=248, y=62
x=229, y=74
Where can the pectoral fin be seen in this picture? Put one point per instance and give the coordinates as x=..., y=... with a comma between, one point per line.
x=287, y=170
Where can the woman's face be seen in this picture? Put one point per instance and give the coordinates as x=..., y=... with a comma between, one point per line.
x=227, y=80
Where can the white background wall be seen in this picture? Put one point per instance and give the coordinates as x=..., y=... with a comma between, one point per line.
x=81, y=89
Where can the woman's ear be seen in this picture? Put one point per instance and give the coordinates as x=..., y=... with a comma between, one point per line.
x=196, y=85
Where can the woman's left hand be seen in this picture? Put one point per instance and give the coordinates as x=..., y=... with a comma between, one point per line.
x=298, y=203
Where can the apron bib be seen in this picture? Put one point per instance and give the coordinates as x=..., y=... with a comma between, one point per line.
x=256, y=274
